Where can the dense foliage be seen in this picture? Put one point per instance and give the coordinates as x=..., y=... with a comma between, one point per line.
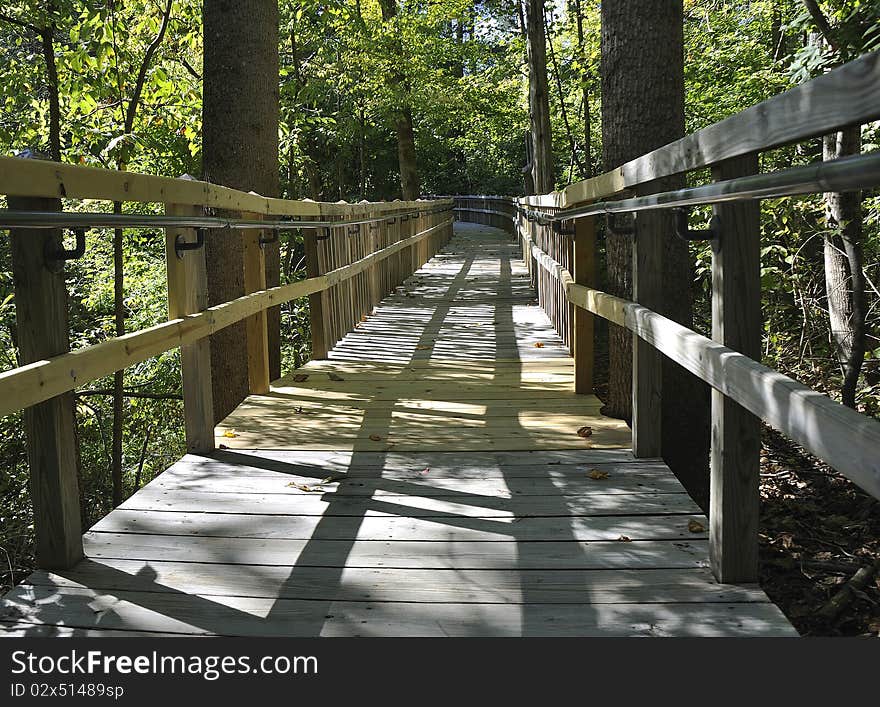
x=126, y=77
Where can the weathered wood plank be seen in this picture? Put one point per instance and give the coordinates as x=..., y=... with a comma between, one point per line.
x=412, y=585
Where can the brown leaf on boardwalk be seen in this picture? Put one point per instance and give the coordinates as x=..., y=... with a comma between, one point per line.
x=303, y=487
x=230, y=433
x=300, y=377
x=597, y=475
x=539, y=344
x=376, y=438
x=422, y=348
x=585, y=431
x=624, y=539
x=332, y=376
x=696, y=526
x=332, y=479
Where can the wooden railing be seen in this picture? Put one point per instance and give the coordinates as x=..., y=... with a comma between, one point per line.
x=351, y=266
x=744, y=390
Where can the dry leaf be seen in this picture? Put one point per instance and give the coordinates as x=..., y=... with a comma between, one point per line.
x=422, y=348
x=597, y=475
x=585, y=431
x=230, y=433
x=332, y=479
x=300, y=377
x=376, y=438
x=624, y=539
x=332, y=376
x=696, y=526
x=539, y=344
x=303, y=487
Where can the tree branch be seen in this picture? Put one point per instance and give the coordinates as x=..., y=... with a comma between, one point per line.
x=20, y=23
x=821, y=22
x=145, y=65
x=195, y=74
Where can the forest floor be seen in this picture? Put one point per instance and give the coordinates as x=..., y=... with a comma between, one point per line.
x=817, y=530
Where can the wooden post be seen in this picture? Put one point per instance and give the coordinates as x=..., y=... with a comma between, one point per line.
x=584, y=262
x=317, y=301
x=53, y=455
x=188, y=294
x=257, y=324
x=647, y=383
x=736, y=433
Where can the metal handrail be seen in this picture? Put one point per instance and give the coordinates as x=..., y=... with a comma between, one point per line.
x=841, y=175
x=10, y=218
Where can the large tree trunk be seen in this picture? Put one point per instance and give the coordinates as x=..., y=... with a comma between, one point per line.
x=539, y=100
x=844, y=275
x=239, y=150
x=642, y=109
x=402, y=114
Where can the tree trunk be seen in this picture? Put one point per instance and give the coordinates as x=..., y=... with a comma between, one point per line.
x=844, y=274
x=539, y=100
x=239, y=150
x=402, y=113
x=642, y=109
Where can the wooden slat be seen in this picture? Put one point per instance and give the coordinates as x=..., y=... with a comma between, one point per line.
x=257, y=330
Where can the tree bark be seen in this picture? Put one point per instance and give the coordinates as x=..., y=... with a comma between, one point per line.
x=239, y=150
x=844, y=273
x=402, y=113
x=539, y=100
x=642, y=109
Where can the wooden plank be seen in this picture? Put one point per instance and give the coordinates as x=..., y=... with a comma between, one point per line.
x=413, y=585
x=254, y=616
x=257, y=324
x=50, y=426
x=382, y=526
x=458, y=504
x=55, y=180
x=457, y=555
x=736, y=433
x=188, y=294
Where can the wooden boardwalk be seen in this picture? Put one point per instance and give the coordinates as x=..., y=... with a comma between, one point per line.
x=426, y=480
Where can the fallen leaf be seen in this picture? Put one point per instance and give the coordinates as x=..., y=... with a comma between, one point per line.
x=624, y=539
x=230, y=433
x=597, y=475
x=539, y=344
x=303, y=487
x=222, y=446
x=422, y=348
x=300, y=377
x=376, y=438
x=585, y=431
x=332, y=376
x=696, y=526
x=332, y=479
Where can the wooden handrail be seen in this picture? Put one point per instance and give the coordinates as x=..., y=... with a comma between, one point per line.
x=31, y=384
x=824, y=428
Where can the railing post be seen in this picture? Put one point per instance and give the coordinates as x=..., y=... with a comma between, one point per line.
x=188, y=294
x=256, y=325
x=42, y=330
x=647, y=362
x=584, y=273
x=318, y=308
x=736, y=433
